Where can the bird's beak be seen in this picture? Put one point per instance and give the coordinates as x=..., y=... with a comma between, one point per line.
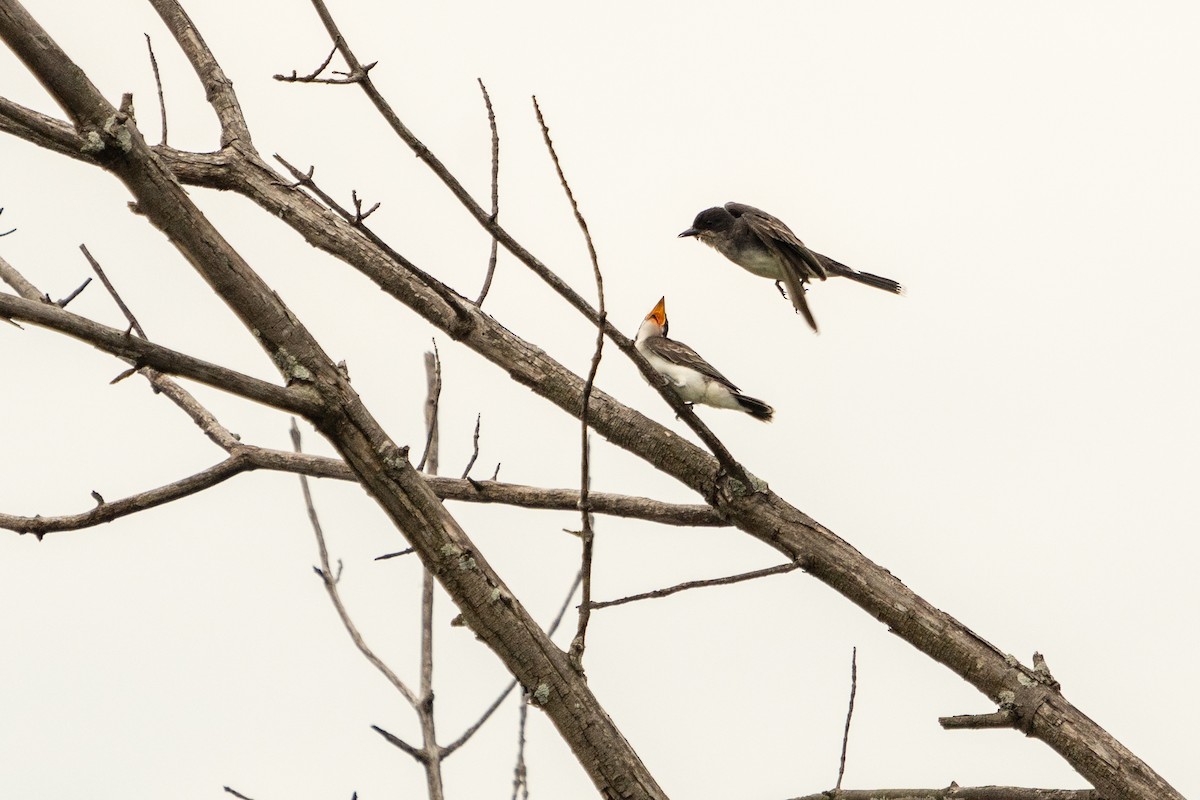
x=659, y=313
x=689, y=232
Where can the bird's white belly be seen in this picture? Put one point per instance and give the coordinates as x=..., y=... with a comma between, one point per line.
x=690, y=385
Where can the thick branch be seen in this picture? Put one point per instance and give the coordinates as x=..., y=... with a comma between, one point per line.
x=487, y=605
x=955, y=792
x=1044, y=713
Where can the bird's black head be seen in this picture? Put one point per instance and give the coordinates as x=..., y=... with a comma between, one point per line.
x=708, y=221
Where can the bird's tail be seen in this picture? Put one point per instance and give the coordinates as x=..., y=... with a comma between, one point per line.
x=754, y=407
x=837, y=268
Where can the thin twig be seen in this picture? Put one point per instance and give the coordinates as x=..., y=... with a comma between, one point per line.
x=218, y=89
x=418, y=754
x=491, y=270
x=63, y=302
x=250, y=457
x=433, y=369
x=728, y=464
x=312, y=77
x=330, y=579
x=520, y=773
x=162, y=103
x=305, y=179
x=133, y=323
x=587, y=533
x=298, y=398
x=235, y=793
x=956, y=792
x=433, y=758
x=849, y=715
x=397, y=554
x=7, y=232
x=474, y=448
x=745, y=576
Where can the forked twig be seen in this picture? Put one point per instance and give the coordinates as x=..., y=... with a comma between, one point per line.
x=729, y=465
x=330, y=580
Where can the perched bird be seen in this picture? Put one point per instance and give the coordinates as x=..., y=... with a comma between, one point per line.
x=692, y=378
x=762, y=244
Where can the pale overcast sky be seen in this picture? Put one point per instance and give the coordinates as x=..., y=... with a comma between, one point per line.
x=1016, y=437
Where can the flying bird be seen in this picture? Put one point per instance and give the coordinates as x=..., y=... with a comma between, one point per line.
x=759, y=243
x=692, y=378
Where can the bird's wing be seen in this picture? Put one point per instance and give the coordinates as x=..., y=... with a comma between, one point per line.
x=681, y=355
x=779, y=238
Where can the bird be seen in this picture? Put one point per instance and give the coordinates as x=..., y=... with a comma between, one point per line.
x=760, y=243
x=692, y=378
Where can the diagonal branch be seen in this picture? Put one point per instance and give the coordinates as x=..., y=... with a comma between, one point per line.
x=956, y=792
x=382, y=467
x=330, y=580
x=360, y=75
x=683, y=587
x=295, y=399
x=587, y=535
x=218, y=89
x=1043, y=712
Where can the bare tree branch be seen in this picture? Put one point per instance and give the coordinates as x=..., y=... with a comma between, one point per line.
x=475, y=726
x=250, y=458
x=1004, y=718
x=682, y=587
x=433, y=372
x=849, y=715
x=474, y=448
x=361, y=77
x=75, y=293
x=330, y=580
x=429, y=745
x=162, y=101
x=1041, y=710
x=218, y=89
x=296, y=399
x=133, y=323
x=956, y=792
x=587, y=534
x=495, y=215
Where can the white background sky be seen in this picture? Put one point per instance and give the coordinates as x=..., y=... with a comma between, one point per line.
x=1015, y=438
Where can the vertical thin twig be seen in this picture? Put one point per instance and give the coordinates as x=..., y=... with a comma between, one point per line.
x=432, y=362
x=587, y=534
x=433, y=762
x=474, y=448
x=491, y=270
x=849, y=715
x=162, y=103
x=520, y=774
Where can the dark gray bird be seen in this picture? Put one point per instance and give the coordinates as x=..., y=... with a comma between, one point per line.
x=692, y=378
x=763, y=245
